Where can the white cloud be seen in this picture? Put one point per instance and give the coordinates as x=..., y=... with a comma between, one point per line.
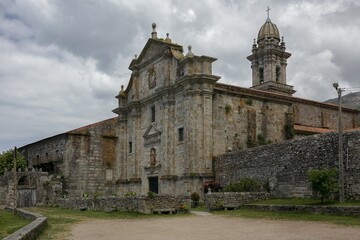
x=62, y=62
x=46, y=90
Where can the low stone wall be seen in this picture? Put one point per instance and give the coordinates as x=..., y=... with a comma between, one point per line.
x=333, y=210
x=30, y=231
x=232, y=200
x=159, y=203
x=162, y=203
x=99, y=203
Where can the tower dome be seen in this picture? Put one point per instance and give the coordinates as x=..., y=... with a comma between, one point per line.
x=268, y=29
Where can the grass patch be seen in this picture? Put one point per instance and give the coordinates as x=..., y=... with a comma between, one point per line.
x=249, y=213
x=305, y=201
x=60, y=221
x=10, y=223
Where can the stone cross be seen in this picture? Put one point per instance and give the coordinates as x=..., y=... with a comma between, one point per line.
x=268, y=11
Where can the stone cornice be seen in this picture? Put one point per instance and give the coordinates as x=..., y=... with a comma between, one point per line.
x=171, y=90
x=259, y=94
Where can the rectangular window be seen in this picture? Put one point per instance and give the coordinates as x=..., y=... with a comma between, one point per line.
x=153, y=114
x=130, y=147
x=181, y=134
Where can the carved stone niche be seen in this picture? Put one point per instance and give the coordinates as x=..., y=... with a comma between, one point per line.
x=153, y=166
x=152, y=135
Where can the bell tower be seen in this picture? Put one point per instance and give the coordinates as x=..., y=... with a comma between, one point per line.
x=269, y=60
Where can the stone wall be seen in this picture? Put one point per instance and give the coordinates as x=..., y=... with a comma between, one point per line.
x=32, y=188
x=313, y=114
x=99, y=203
x=47, y=153
x=239, y=121
x=89, y=161
x=285, y=165
x=159, y=203
x=232, y=200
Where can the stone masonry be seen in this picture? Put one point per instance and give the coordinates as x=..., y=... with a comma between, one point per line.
x=285, y=164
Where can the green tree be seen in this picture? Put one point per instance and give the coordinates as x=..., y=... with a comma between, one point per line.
x=323, y=181
x=7, y=161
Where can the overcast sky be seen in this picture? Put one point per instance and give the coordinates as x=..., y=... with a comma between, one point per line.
x=63, y=61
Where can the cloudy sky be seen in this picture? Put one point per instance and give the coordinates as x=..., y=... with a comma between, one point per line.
x=63, y=61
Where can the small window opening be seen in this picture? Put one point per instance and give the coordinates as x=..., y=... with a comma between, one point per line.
x=261, y=75
x=130, y=147
x=181, y=134
x=277, y=77
x=153, y=114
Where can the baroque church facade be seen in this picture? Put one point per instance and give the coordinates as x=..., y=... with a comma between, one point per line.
x=174, y=117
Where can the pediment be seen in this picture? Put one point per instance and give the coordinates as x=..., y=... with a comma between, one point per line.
x=152, y=134
x=153, y=49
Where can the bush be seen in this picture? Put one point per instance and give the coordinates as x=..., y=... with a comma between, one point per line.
x=151, y=195
x=323, y=181
x=130, y=194
x=244, y=185
x=195, y=197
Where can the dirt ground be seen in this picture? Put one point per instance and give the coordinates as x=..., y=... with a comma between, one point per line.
x=210, y=228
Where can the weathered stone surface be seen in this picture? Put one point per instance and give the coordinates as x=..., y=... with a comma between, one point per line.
x=285, y=164
x=158, y=203
x=32, y=189
x=232, y=200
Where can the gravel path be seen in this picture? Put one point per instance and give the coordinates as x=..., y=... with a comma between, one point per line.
x=210, y=227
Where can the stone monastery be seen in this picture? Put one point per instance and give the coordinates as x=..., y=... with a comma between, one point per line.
x=174, y=117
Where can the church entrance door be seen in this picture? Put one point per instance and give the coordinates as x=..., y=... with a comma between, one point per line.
x=153, y=185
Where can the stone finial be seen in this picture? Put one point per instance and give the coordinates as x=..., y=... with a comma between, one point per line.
x=135, y=56
x=154, y=33
x=167, y=39
x=189, y=53
x=254, y=44
x=122, y=91
x=282, y=44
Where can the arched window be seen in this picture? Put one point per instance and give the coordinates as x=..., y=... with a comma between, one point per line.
x=261, y=75
x=277, y=74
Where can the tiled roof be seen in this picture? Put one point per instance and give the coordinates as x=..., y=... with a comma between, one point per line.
x=110, y=120
x=307, y=129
